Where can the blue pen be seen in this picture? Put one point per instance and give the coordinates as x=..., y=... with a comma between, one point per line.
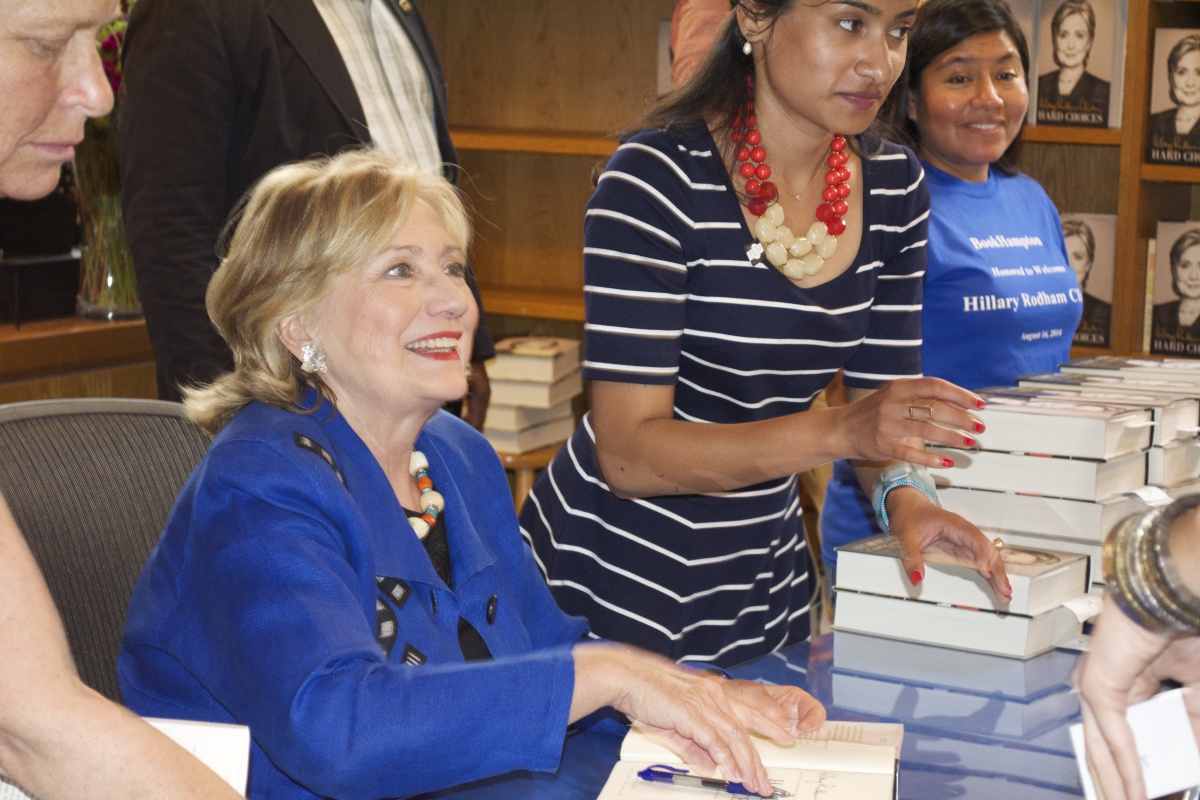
x=661, y=773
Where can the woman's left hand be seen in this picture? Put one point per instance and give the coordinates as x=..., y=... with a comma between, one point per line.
x=922, y=527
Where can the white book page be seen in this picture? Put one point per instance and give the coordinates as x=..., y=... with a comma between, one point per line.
x=817, y=751
x=225, y=749
x=806, y=784
x=9, y=791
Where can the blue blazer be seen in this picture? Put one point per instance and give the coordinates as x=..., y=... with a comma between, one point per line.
x=289, y=593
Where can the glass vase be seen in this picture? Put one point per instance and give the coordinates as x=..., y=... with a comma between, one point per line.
x=107, y=285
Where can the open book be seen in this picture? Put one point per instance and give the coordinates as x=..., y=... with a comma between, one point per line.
x=838, y=761
x=225, y=749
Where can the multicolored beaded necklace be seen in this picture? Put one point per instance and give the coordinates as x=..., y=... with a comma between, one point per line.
x=432, y=503
x=797, y=257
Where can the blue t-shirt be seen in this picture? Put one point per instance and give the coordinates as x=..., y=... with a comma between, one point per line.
x=1000, y=301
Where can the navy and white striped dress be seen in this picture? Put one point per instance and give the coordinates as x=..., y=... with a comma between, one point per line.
x=672, y=299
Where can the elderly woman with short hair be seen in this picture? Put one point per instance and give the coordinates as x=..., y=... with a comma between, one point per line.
x=343, y=572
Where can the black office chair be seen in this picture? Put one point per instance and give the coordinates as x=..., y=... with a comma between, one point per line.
x=90, y=483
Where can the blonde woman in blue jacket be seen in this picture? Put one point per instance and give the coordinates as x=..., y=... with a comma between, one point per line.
x=343, y=572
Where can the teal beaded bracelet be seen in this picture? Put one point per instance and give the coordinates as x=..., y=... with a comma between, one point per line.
x=894, y=477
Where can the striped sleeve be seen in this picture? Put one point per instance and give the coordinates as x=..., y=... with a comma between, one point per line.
x=899, y=220
x=635, y=270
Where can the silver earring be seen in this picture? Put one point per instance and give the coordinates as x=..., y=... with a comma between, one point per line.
x=746, y=48
x=314, y=357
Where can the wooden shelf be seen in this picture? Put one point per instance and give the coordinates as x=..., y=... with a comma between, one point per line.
x=1054, y=134
x=532, y=303
x=1165, y=172
x=522, y=141
x=65, y=345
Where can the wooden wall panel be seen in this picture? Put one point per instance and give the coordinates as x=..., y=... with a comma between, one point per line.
x=1079, y=178
x=130, y=380
x=528, y=212
x=575, y=65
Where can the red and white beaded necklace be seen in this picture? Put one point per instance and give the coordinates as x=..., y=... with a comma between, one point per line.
x=432, y=503
x=795, y=256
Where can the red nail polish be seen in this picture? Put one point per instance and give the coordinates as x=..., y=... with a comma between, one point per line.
x=968, y=441
x=979, y=427
x=915, y=577
x=947, y=462
x=980, y=402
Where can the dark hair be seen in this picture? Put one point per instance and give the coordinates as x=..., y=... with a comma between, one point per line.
x=941, y=25
x=1084, y=9
x=1083, y=232
x=713, y=94
x=1188, y=44
x=1186, y=241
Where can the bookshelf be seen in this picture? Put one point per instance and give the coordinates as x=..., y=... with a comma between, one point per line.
x=537, y=90
x=532, y=130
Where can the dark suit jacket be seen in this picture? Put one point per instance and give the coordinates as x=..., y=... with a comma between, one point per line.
x=216, y=93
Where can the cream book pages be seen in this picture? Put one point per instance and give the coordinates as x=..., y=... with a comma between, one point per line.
x=838, y=761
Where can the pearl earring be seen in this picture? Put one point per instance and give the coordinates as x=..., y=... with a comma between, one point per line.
x=314, y=357
x=746, y=48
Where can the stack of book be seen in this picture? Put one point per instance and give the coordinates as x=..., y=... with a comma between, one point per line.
x=1174, y=460
x=1057, y=469
x=534, y=380
x=953, y=606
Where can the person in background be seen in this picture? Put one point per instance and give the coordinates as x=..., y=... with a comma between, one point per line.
x=218, y=92
x=343, y=571
x=1081, y=252
x=988, y=315
x=1148, y=633
x=1179, y=319
x=694, y=26
x=1176, y=127
x=59, y=739
x=1071, y=88
x=748, y=243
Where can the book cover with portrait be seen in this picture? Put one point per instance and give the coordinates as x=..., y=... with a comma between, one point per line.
x=1175, y=314
x=1080, y=54
x=1091, y=247
x=1173, y=135
x=1025, y=12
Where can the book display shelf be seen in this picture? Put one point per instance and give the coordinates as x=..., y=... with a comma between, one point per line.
x=538, y=87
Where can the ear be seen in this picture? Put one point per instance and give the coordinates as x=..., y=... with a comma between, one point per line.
x=912, y=106
x=752, y=28
x=293, y=331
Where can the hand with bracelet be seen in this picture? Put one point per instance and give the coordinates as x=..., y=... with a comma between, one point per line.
x=905, y=499
x=1149, y=632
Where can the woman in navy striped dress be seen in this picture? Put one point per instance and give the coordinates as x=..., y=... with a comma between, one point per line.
x=718, y=307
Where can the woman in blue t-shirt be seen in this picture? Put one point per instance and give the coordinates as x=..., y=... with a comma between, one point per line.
x=1001, y=299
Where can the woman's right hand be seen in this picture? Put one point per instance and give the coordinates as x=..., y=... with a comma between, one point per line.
x=891, y=421
x=1125, y=665
x=707, y=719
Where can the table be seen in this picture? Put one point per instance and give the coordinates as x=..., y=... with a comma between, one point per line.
x=975, y=726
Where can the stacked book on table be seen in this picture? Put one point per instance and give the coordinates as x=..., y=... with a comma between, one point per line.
x=954, y=606
x=1057, y=469
x=1174, y=458
x=534, y=382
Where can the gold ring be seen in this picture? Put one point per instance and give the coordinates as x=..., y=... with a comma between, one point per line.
x=928, y=409
x=998, y=542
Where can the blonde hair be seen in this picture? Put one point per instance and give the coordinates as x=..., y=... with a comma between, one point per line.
x=301, y=226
